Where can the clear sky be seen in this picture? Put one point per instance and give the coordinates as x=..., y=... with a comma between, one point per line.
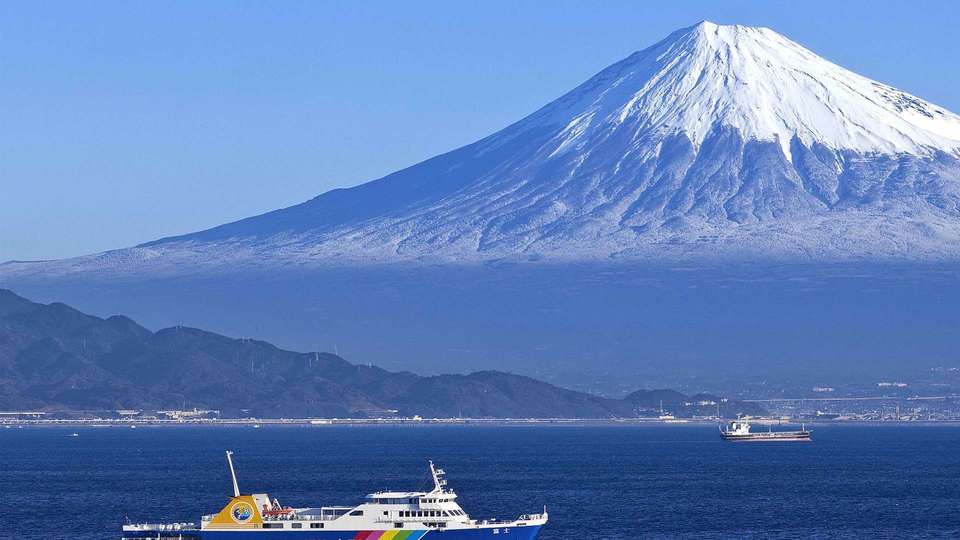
x=123, y=122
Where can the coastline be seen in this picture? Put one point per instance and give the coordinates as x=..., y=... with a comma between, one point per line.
x=467, y=422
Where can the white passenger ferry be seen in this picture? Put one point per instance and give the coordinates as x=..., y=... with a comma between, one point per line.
x=386, y=515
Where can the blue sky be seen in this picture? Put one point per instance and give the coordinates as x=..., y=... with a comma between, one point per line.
x=127, y=121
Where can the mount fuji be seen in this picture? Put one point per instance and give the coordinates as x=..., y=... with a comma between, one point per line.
x=717, y=142
x=622, y=209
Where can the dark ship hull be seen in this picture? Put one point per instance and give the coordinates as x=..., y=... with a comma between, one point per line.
x=770, y=436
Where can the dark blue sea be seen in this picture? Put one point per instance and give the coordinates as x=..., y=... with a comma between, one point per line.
x=597, y=482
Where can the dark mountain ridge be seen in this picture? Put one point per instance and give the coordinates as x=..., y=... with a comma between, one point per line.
x=55, y=357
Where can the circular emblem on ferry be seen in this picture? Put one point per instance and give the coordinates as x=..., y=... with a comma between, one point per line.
x=241, y=512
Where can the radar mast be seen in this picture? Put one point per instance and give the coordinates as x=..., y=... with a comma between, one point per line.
x=439, y=478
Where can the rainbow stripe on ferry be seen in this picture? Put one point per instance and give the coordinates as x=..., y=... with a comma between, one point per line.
x=390, y=535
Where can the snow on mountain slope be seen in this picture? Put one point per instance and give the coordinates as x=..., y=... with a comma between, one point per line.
x=719, y=141
x=758, y=82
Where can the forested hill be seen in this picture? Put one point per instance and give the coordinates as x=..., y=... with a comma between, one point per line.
x=55, y=357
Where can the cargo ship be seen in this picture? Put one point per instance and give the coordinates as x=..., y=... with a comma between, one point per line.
x=384, y=515
x=739, y=431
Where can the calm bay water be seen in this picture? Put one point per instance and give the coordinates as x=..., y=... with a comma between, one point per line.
x=598, y=482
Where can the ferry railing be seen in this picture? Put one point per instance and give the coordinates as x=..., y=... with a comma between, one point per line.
x=134, y=527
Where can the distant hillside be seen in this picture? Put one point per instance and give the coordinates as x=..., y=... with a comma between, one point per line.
x=55, y=357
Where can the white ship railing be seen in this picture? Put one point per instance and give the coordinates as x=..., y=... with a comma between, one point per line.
x=135, y=527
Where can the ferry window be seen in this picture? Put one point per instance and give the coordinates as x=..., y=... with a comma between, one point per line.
x=316, y=525
x=273, y=525
x=296, y=525
x=356, y=513
x=385, y=512
x=398, y=525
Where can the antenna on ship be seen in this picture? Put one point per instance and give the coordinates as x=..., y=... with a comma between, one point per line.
x=233, y=475
x=438, y=478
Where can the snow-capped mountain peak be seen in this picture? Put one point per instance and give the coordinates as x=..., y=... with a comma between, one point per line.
x=718, y=141
x=757, y=81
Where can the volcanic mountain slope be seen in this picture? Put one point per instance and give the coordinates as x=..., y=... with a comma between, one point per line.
x=718, y=141
x=53, y=356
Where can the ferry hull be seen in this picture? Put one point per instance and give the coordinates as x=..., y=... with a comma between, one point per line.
x=527, y=532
